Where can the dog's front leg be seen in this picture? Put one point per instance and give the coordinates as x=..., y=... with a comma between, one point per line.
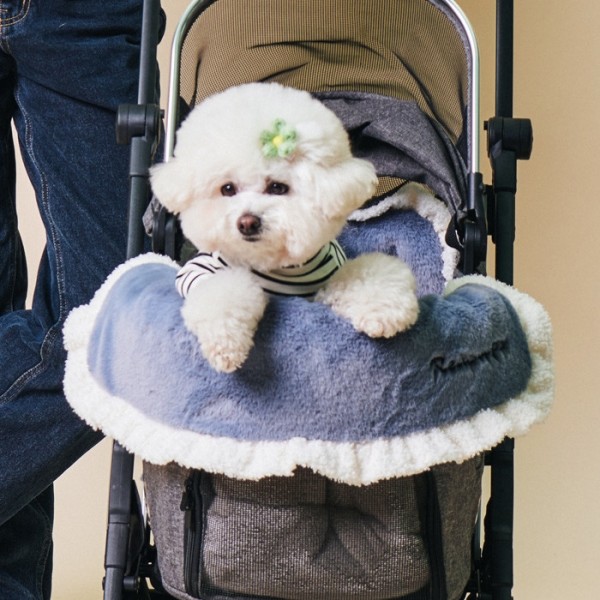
x=223, y=312
x=375, y=292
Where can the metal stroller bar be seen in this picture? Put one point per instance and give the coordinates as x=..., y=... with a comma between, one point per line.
x=509, y=139
x=138, y=125
x=472, y=231
x=188, y=17
x=504, y=58
x=475, y=85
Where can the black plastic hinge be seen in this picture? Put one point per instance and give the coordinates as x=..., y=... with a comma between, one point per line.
x=137, y=120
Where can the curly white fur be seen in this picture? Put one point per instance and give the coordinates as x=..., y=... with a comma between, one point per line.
x=266, y=213
x=375, y=292
x=223, y=313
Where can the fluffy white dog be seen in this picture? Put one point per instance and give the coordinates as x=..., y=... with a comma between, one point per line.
x=263, y=181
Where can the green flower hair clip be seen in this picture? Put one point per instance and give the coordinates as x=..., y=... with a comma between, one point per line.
x=280, y=141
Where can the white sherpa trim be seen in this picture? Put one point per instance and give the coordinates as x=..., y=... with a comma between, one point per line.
x=80, y=323
x=416, y=197
x=351, y=463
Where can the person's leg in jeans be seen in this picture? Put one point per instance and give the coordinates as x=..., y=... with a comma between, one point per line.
x=65, y=65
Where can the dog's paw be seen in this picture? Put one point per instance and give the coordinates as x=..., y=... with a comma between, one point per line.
x=376, y=293
x=224, y=356
x=223, y=313
x=225, y=342
x=386, y=321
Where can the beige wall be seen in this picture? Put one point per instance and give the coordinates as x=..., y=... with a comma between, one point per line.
x=557, y=85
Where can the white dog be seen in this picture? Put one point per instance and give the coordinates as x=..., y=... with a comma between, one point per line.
x=263, y=180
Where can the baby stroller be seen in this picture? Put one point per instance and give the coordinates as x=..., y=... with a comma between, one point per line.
x=437, y=86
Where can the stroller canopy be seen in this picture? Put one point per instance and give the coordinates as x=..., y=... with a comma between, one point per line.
x=397, y=72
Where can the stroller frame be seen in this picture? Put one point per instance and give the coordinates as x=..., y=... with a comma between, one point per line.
x=130, y=558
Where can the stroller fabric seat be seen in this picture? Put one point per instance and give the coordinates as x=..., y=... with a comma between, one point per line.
x=308, y=537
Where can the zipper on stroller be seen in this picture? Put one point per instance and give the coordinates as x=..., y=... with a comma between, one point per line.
x=435, y=546
x=192, y=505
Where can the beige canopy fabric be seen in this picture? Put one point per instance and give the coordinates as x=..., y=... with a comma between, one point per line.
x=404, y=49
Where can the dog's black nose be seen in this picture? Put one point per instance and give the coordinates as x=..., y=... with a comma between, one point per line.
x=249, y=225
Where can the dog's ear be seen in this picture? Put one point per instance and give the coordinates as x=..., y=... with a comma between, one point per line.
x=345, y=187
x=172, y=184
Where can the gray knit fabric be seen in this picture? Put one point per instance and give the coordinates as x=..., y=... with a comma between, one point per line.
x=309, y=538
x=401, y=142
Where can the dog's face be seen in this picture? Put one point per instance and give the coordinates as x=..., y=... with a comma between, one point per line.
x=263, y=174
x=262, y=218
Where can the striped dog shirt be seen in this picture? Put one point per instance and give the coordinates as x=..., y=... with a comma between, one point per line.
x=302, y=280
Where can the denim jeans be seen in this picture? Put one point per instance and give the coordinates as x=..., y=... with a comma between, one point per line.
x=65, y=65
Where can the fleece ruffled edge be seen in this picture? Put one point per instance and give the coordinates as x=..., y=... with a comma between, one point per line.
x=352, y=463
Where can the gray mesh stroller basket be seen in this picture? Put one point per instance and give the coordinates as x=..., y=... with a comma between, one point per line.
x=411, y=68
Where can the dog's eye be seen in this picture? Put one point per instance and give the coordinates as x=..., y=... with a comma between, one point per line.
x=277, y=188
x=228, y=189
